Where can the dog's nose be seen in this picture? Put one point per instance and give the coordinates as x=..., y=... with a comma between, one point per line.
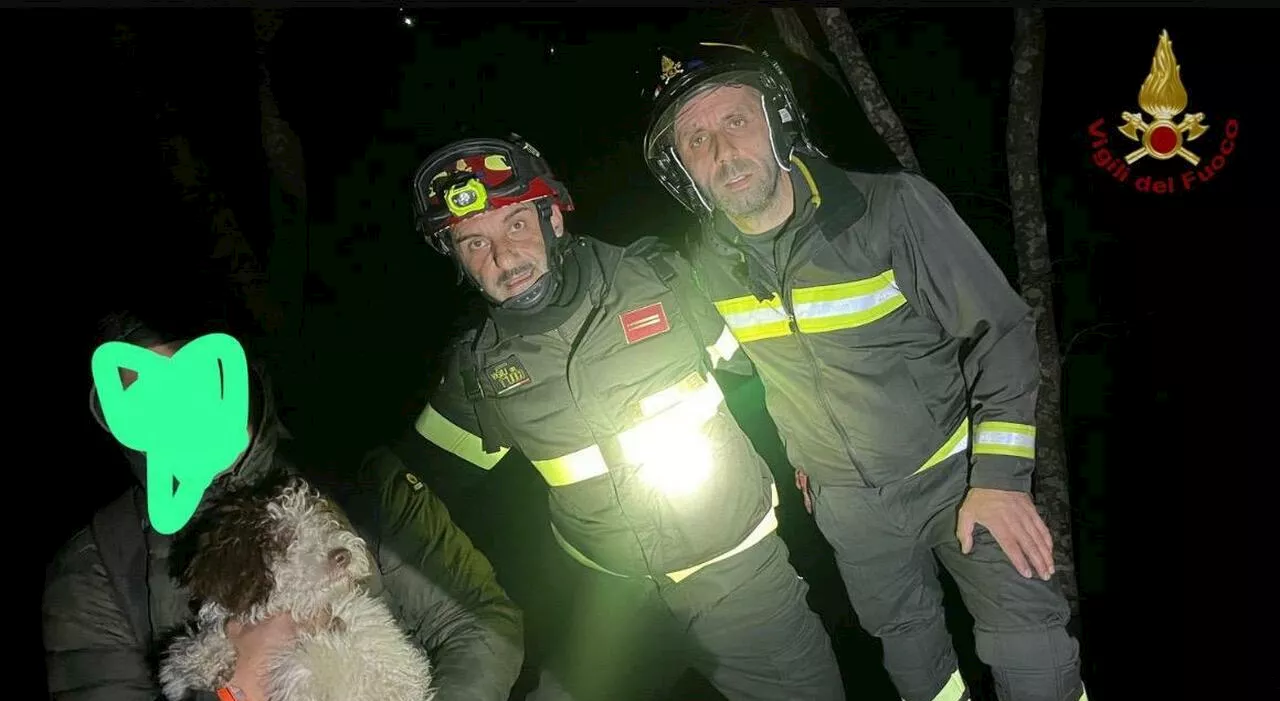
x=340, y=557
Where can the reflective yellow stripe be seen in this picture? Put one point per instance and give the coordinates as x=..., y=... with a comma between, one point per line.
x=766, y=526
x=658, y=444
x=1084, y=693
x=724, y=348
x=818, y=309
x=753, y=320
x=955, y=444
x=683, y=406
x=436, y=428
x=955, y=689
x=684, y=390
x=574, y=467
x=1004, y=438
x=672, y=412
x=846, y=305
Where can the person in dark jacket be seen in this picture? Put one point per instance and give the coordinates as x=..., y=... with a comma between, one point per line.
x=595, y=363
x=111, y=596
x=898, y=364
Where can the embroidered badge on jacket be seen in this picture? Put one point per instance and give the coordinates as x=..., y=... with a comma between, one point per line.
x=645, y=322
x=508, y=374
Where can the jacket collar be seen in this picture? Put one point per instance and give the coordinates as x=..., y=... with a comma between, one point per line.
x=824, y=196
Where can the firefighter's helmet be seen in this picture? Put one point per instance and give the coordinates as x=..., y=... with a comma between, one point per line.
x=682, y=76
x=472, y=176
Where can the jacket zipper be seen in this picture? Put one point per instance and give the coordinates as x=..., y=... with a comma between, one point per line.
x=817, y=381
x=783, y=284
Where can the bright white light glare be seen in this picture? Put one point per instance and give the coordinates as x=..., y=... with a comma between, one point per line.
x=408, y=21
x=675, y=464
x=675, y=456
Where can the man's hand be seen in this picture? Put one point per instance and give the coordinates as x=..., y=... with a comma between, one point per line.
x=802, y=483
x=1014, y=522
x=254, y=646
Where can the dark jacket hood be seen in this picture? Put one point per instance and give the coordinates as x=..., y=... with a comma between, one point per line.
x=254, y=466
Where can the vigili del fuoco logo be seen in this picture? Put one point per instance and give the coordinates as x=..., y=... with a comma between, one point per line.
x=1169, y=155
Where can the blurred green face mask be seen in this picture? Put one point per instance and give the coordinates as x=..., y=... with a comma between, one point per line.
x=187, y=413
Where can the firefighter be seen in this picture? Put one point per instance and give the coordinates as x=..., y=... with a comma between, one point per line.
x=595, y=363
x=898, y=364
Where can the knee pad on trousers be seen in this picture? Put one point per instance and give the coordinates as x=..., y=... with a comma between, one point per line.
x=1032, y=665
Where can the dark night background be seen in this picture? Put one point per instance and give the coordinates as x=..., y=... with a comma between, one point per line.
x=1138, y=276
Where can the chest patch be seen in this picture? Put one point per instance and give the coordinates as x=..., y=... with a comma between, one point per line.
x=645, y=322
x=508, y=374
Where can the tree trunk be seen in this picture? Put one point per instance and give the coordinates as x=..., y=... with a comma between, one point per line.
x=1031, y=242
x=190, y=174
x=288, y=257
x=844, y=44
x=797, y=38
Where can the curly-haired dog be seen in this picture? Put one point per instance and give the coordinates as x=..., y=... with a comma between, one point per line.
x=286, y=550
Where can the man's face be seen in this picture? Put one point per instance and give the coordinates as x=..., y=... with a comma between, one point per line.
x=722, y=137
x=503, y=249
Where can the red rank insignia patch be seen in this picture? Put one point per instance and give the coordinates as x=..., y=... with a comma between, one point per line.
x=639, y=324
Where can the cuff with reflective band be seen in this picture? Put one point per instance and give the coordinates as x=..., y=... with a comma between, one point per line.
x=1004, y=438
x=955, y=690
x=724, y=348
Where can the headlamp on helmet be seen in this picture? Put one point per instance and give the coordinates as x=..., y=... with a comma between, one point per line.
x=473, y=176
x=713, y=65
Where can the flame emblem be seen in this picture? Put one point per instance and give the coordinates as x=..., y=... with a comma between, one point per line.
x=670, y=69
x=1163, y=97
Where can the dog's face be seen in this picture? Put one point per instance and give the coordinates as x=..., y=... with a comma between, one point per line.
x=286, y=550
x=322, y=558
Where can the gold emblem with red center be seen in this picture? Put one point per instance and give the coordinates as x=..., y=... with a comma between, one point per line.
x=1163, y=97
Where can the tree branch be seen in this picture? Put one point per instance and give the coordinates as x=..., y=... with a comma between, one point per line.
x=797, y=39
x=1031, y=243
x=866, y=87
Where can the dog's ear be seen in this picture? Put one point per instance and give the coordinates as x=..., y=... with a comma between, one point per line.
x=233, y=552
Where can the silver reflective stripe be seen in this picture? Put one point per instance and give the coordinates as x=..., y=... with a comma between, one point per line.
x=848, y=305
x=755, y=317
x=1005, y=438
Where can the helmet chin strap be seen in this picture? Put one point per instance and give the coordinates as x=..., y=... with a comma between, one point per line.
x=534, y=298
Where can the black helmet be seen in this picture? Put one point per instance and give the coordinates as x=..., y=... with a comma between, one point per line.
x=713, y=64
x=472, y=176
